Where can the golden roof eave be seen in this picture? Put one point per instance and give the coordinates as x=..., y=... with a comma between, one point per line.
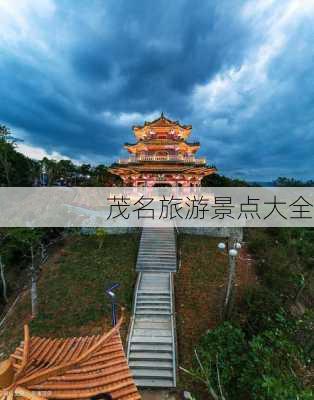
x=140, y=131
x=164, y=120
x=157, y=168
x=146, y=145
x=76, y=368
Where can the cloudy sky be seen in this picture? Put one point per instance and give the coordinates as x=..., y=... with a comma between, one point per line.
x=75, y=75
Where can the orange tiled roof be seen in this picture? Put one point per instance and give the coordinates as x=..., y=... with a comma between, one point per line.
x=162, y=121
x=73, y=368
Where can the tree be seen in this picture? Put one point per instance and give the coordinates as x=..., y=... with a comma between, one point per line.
x=100, y=174
x=3, y=255
x=31, y=240
x=216, y=180
x=7, y=143
x=263, y=367
x=101, y=235
x=15, y=168
x=66, y=169
x=85, y=169
x=291, y=182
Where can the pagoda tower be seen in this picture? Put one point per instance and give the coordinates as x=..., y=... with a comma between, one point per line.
x=162, y=156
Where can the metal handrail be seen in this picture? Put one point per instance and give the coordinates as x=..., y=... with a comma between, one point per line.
x=178, y=253
x=173, y=332
x=131, y=325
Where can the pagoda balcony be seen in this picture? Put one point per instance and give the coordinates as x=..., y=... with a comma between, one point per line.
x=173, y=159
x=162, y=141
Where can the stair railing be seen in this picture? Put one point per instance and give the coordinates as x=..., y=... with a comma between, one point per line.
x=178, y=247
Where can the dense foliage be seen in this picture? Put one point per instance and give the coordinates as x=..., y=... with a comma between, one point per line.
x=19, y=170
x=216, y=180
x=15, y=168
x=269, y=365
x=291, y=182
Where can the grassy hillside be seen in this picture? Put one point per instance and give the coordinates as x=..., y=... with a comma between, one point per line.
x=200, y=287
x=72, y=298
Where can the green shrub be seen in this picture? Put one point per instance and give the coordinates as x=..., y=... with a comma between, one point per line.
x=222, y=350
x=265, y=367
x=260, y=307
x=271, y=368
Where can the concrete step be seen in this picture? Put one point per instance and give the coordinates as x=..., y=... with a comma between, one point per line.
x=155, y=277
x=153, y=294
x=155, y=283
x=149, y=292
x=153, y=297
x=148, y=373
x=157, y=246
x=152, y=356
x=152, y=332
x=156, y=261
x=158, y=242
x=152, y=265
x=152, y=325
x=156, y=383
x=156, y=269
x=163, y=277
x=155, y=250
x=152, y=302
x=151, y=312
x=155, y=286
x=157, y=236
x=160, y=348
x=155, y=264
x=150, y=340
x=164, y=364
x=167, y=365
x=152, y=277
x=154, y=246
x=159, y=254
x=153, y=307
x=155, y=318
x=157, y=239
x=157, y=258
x=146, y=292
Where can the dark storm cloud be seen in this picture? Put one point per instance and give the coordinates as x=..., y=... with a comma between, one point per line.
x=155, y=54
x=76, y=75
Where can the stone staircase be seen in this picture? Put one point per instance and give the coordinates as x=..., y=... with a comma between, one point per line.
x=157, y=250
x=152, y=344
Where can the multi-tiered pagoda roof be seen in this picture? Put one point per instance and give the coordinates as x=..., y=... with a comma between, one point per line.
x=162, y=156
